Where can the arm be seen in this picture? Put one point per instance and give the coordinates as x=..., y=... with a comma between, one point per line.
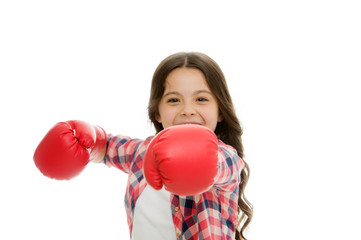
x=229, y=168
x=121, y=151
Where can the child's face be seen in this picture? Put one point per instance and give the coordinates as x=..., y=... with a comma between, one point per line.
x=187, y=99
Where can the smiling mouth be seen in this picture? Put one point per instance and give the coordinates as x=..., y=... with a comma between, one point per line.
x=194, y=123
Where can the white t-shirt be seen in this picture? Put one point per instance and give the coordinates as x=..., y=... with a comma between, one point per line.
x=153, y=216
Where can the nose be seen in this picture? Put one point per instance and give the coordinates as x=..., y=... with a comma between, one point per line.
x=188, y=110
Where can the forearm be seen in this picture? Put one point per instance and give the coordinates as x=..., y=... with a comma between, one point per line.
x=121, y=151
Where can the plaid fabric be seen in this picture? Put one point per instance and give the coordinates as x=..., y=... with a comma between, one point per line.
x=211, y=215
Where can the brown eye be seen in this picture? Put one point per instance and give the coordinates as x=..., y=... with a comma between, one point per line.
x=173, y=100
x=201, y=99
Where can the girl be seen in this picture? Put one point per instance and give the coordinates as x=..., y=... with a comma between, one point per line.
x=186, y=88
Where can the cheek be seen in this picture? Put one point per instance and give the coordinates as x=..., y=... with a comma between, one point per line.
x=212, y=113
x=165, y=113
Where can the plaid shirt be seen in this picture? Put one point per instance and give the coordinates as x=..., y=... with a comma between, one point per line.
x=211, y=215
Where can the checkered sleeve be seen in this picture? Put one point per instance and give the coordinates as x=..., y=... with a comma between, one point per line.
x=229, y=168
x=121, y=151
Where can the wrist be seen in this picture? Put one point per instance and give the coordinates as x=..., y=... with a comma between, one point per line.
x=97, y=153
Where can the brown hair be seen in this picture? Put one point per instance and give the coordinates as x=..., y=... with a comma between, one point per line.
x=229, y=130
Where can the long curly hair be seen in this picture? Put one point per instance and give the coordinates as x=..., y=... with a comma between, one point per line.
x=229, y=130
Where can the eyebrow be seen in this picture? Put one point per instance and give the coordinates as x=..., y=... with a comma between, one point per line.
x=195, y=93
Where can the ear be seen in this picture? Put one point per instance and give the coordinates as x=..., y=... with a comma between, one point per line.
x=220, y=118
x=158, y=118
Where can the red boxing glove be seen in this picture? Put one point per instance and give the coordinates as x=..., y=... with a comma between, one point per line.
x=183, y=158
x=67, y=148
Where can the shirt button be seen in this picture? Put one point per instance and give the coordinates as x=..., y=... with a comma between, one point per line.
x=176, y=209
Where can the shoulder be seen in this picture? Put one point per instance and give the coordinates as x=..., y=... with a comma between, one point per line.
x=228, y=150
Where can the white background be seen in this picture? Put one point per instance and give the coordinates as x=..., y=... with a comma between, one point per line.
x=293, y=69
